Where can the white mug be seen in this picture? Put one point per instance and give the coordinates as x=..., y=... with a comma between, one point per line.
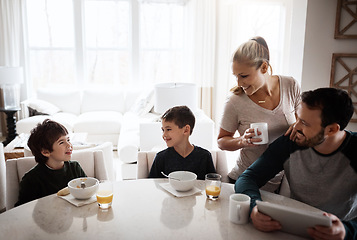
x=263, y=128
x=239, y=205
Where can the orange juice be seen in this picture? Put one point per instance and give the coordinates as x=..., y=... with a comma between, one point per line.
x=213, y=190
x=104, y=196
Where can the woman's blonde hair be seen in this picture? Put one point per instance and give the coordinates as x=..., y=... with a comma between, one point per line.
x=253, y=52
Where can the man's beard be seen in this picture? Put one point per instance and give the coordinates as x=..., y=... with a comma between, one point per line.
x=314, y=141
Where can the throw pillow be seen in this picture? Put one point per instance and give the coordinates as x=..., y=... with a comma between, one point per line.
x=34, y=112
x=144, y=103
x=41, y=107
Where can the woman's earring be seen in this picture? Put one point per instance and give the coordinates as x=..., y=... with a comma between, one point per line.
x=264, y=68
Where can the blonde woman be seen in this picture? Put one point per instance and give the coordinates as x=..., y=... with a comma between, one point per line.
x=258, y=97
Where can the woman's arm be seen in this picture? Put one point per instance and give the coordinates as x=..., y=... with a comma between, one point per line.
x=226, y=141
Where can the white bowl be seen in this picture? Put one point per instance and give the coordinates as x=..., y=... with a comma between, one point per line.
x=92, y=185
x=186, y=183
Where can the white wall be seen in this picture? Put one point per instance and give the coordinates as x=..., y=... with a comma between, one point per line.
x=320, y=44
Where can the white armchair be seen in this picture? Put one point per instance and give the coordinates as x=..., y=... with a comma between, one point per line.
x=92, y=163
x=106, y=147
x=145, y=160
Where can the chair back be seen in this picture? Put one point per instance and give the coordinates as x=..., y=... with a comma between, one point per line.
x=146, y=159
x=2, y=179
x=106, y=147
x=92, y=162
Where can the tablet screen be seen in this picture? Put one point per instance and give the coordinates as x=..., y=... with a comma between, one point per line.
x=292, y=220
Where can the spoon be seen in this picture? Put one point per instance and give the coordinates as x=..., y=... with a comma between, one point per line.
x=83, y=184
x=170, y=177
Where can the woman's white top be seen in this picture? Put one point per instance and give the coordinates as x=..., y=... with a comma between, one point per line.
x=240, y=111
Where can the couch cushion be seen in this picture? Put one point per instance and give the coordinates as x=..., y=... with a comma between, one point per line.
x=67, y=100
x=144, y=103
x=99, y=122
x=66, y=119
x=103, y=100
x=25, y=125
x=131, y=96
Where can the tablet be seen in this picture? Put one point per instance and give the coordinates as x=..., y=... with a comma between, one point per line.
x=293, y=220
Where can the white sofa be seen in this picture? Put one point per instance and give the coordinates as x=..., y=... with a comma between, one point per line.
x=98, y=112
x=120, y=116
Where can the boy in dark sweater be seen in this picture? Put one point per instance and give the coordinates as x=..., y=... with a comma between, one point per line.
x=50, y=144
x=181, y=155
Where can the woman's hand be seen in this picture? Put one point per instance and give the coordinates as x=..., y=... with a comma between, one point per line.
x=263, y=222
x=335, y=232
x=248, y=139
x=227, y=141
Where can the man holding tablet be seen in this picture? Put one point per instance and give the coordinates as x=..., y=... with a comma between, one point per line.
x=320, y=163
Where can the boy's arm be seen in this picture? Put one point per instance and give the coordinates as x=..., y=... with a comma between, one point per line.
x=27, y=191
x=77, y=169
x=210, y=166
x=81, y=171
x=156, y=168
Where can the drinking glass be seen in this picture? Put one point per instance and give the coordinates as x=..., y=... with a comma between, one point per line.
x=105, y=194
x=213, y=185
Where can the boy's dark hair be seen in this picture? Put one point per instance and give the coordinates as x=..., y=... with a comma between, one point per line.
x=43, y=136
x=335, y=105
x=181, y=116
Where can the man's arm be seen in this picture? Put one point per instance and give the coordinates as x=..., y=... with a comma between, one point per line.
x=351, y=228
x=264, y=168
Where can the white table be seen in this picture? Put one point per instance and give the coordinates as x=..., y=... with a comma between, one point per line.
x=141, y=210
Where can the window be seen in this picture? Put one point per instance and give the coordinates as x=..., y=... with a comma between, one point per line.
x=51, y=42
x=262, y=18
x=106, y=42
x=140, y=42
x=116, y=42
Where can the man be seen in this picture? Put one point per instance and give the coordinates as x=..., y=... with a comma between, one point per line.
x=320, y=162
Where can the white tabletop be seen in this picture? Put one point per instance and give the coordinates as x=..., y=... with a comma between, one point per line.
x=141, y=209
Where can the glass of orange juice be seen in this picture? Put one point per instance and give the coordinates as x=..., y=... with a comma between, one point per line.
x=213, y=185
x=105, y=194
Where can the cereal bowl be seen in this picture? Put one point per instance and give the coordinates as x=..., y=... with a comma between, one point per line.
x=91, y=187
x=186, y=180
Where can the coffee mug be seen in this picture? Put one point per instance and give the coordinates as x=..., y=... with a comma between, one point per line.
x=239, y=205
x=263, y=128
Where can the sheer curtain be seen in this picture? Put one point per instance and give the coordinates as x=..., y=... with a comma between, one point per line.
x=11, y=47
x=237, y=22
x=11, y=32
x=201, y=52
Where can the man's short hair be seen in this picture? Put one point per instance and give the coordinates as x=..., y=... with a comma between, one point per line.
x=181, y=116
x=335, y=105
x=43, y=136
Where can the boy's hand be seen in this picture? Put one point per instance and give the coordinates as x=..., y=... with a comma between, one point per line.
x=336, y=231
x=263, y=222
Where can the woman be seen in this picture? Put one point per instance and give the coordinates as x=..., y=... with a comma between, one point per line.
x=258, y=97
